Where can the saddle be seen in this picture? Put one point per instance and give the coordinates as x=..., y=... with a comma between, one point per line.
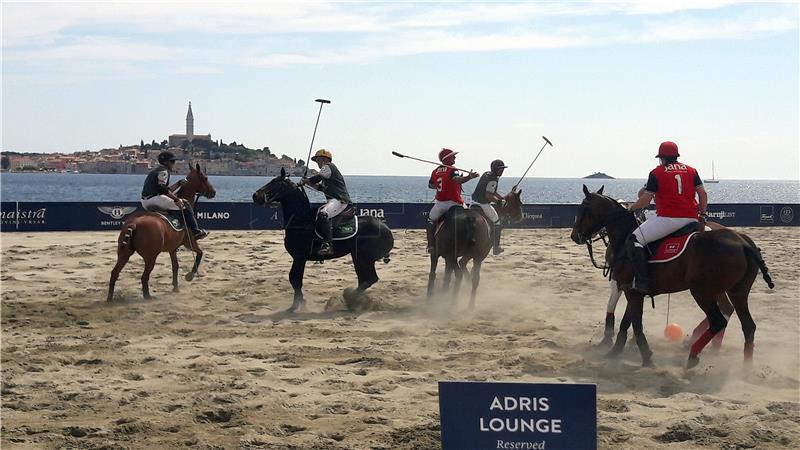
x=672, y=246
x=344, y=225
x=173, y=218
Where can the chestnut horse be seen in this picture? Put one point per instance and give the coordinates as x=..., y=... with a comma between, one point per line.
x=715, y=263
x=465, y=233
x=148, y=235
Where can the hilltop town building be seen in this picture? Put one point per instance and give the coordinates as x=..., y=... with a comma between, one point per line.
x=175, y=140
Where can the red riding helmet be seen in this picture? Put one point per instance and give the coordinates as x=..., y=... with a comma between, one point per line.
x=446, y=153
x=668, y=149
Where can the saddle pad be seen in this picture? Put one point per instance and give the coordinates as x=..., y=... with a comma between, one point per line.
x=174, y=222
x=345, y=229
x=669, y=248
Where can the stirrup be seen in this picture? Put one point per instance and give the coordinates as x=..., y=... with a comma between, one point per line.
x=326, y=249
x=200, y=234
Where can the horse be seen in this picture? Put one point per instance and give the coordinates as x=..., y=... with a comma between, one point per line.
x=148, y=234
x=715, y=263
x=723, y=302
x=372, y=242
x=466, y=233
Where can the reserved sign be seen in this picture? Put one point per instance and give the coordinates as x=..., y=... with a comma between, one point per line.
x=518, y=416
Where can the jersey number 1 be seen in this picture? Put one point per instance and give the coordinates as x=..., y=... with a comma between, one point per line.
x=680, y=184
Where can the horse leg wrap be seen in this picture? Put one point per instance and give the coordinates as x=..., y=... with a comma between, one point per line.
x=701, y=342
x=609, y=330
x=699, y=329
x=748, y=351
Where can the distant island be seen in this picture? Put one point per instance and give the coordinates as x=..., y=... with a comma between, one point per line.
x=599, y=175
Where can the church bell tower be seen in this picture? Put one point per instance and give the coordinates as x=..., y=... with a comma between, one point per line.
x=189, y=123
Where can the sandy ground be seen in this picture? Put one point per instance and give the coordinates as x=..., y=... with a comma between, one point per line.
x=220, y=365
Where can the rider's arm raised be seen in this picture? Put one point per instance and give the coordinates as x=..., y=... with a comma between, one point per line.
x=646, y=194
x=465, y=178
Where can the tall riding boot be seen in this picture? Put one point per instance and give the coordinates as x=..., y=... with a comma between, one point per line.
x=498, y=230
x=326, y=232
x=638, y=256
x=191, y=222
x=430, y=228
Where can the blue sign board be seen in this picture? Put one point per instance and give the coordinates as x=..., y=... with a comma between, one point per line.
x=98, y=216
x=490, y=416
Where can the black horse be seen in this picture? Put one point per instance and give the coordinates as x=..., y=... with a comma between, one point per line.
x=466, y=233
x=372, y=242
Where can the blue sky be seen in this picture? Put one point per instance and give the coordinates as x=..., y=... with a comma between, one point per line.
x=606, y=82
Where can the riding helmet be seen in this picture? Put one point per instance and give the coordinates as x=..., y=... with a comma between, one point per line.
x=668, y=149
x=322, y=153
x=498, y=164
x=165, y=157
x=446, y=153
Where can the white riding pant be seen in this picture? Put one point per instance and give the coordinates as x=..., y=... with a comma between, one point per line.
x=159, y=202
x=333, y=207
x=439, y=208
x=655, y=228
x=489, y=211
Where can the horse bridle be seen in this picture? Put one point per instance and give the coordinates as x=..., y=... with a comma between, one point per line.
x=601, y=234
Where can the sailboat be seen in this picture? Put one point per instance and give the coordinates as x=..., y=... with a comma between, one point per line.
x=713, y=175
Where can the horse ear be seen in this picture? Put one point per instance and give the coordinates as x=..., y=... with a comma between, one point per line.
x=283, y=172
x=585, y=190
x=600, y=191
x=519, y=193
x=197, y=167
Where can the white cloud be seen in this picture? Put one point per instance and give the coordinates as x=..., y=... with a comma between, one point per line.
x=359, y=32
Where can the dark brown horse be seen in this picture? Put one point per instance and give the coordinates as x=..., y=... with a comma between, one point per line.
x=148, y=235
x=466, y=233
x=715, y=263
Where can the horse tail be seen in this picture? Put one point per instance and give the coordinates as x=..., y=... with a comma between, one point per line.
x=126, y=240
x=752, y=251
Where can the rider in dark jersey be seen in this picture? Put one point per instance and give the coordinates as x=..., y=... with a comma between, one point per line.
x=157, y=194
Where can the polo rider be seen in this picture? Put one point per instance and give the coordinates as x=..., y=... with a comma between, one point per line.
x=447, y=181
x=673, y=185
x=330, y=182
x=485, y=194
x=157, y=194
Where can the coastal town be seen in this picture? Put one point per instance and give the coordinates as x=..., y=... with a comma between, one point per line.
x=215, y=156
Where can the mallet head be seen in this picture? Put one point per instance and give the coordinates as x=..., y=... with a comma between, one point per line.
x=322, y=100
x=547, y=140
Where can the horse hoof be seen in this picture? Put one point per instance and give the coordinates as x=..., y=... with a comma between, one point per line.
x=605, y=343
x=190, y=276
x=109, y=299
x=648, y=363
x=614, y=353
x=297, y=306
x=175, y=289
x=693, y=361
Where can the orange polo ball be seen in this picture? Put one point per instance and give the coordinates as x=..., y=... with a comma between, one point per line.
x=673, y=332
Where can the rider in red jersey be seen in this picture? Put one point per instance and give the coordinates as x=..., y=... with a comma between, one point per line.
x=674, y=186
x=447, y=181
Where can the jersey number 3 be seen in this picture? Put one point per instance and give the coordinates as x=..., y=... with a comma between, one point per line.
x=439, y=185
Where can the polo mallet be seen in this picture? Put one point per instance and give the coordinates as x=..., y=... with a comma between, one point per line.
x=400, y=155
x=546, y=142
x=321, y=102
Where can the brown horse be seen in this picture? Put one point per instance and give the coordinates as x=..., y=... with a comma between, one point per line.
x=466, y=233
x=715, y=263
x=148, y=234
